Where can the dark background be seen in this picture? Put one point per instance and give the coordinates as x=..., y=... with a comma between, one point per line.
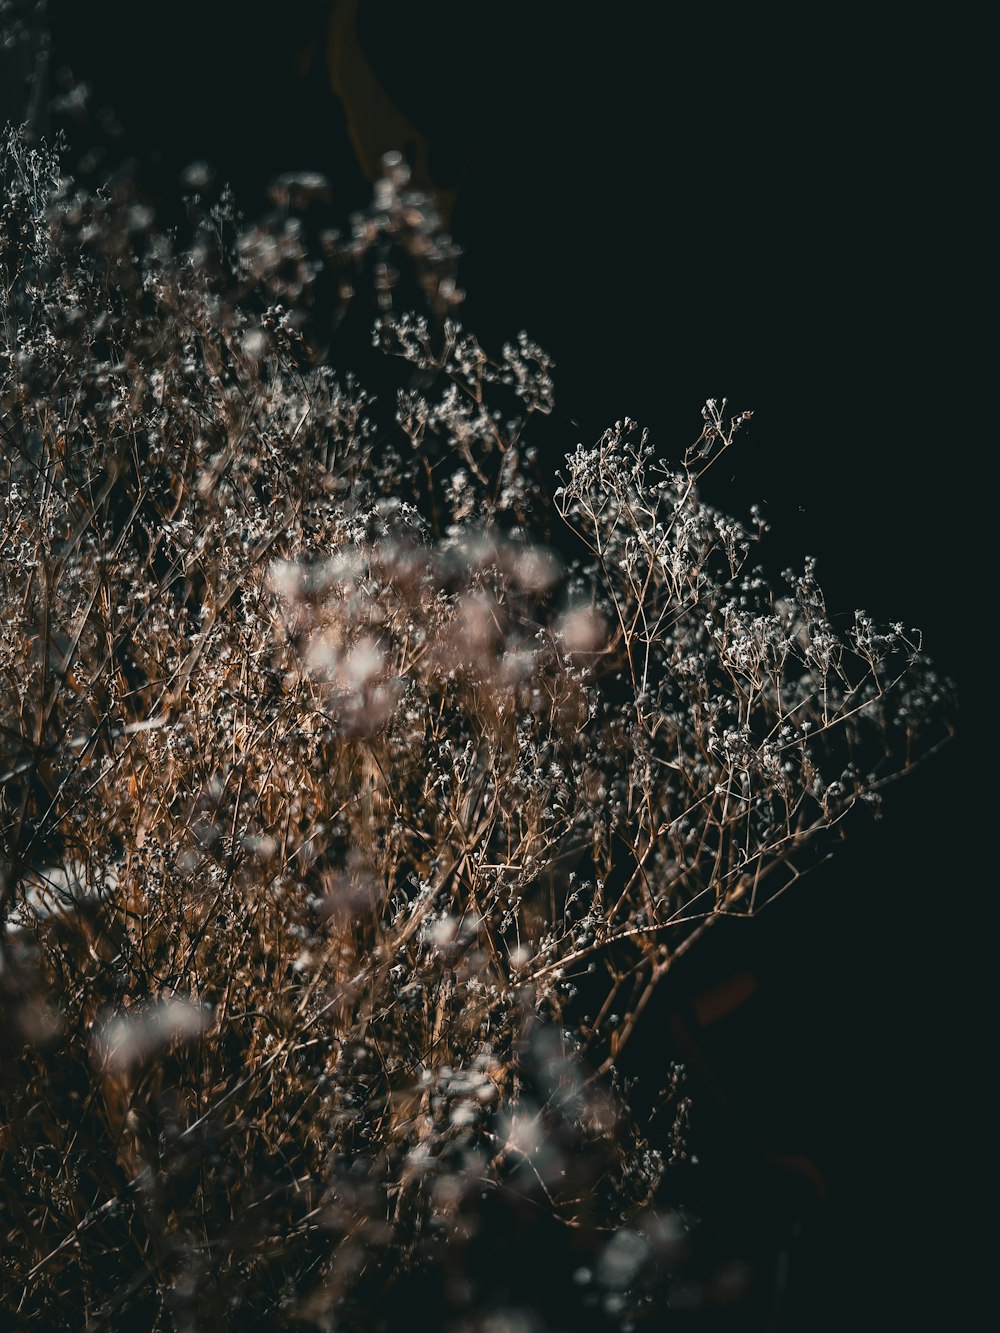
x=771, y=208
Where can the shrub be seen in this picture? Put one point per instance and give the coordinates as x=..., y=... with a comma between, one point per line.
x=335, y=772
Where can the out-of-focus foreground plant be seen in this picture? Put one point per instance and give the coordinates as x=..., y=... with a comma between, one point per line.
x=325, y=785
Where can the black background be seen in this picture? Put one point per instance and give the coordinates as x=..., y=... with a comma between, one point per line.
x=766, y=206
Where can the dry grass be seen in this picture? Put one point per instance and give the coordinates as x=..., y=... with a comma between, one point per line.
x=324, y=786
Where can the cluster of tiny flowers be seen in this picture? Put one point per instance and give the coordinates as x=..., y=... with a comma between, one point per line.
x=331, y=794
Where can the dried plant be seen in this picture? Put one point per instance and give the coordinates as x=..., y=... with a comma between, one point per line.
x=329, y=792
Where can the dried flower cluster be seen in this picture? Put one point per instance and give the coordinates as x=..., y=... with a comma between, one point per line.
x=329, y=795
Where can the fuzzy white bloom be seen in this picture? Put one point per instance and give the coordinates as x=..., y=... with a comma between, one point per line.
x=126, y=1039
